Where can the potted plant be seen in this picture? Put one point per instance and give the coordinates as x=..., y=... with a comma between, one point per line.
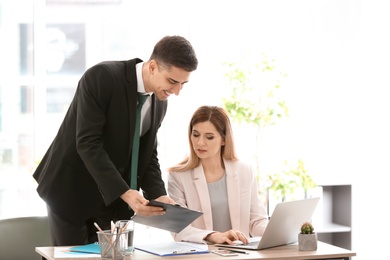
x=307, y=239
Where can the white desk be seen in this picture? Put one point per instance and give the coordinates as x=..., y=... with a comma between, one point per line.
x=288, y=252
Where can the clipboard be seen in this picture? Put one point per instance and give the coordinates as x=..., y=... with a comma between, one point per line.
x=175, y=219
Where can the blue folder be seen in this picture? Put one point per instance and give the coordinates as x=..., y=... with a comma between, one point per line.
x=90, y=249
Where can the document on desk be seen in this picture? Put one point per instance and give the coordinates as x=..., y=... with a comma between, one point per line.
x=175, y=219
x=65, y=252
x=174, y=248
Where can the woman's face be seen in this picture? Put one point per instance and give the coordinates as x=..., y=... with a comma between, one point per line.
x=206, y=140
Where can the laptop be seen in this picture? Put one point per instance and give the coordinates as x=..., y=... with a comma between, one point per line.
x=284, y=225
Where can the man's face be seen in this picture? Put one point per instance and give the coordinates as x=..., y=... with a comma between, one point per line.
x=166, y=81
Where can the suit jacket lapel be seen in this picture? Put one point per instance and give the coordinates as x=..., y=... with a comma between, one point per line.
x=233, y=190
x=204, y=196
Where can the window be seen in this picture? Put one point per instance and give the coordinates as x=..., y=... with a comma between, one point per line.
x=47, y=46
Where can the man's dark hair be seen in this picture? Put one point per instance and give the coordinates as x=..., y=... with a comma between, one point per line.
x=175, y=51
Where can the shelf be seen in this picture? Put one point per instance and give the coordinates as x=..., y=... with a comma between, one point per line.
x=333, y=219
x=332, y=228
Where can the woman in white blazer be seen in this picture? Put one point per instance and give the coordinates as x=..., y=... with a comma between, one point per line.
x=212, y=180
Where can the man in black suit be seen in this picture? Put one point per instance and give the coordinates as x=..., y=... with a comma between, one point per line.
x=84, y=175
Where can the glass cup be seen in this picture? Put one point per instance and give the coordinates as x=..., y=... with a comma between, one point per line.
x=129, y=224
x=112, y=245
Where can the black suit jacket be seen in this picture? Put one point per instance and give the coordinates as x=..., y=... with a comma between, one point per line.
x=86, y=168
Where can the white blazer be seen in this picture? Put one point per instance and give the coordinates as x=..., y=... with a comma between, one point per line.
x=247, y=213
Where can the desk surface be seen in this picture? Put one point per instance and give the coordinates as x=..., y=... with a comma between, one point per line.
x=290, y=252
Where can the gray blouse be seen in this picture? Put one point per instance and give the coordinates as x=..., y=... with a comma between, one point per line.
x=219, y=205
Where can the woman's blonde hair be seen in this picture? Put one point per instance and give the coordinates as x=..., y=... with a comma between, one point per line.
x=220, y=119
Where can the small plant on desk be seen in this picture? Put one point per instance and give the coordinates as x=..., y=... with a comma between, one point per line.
x=307, y=228
x=307, y=238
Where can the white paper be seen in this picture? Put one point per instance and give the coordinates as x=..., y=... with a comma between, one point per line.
x=63, y=252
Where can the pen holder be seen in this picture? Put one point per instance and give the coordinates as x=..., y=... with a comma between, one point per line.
x=112, y=245
x=127, y=225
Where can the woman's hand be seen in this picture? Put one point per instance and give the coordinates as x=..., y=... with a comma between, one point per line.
x=227, y=237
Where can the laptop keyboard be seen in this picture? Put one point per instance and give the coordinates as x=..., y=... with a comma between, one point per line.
x=252, y=244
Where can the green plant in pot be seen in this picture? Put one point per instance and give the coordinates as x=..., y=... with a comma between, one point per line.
x=307, y=238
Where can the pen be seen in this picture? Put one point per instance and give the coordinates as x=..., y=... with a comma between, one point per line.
x=235, y=251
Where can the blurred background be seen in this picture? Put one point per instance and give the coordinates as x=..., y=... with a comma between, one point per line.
x=320, y=67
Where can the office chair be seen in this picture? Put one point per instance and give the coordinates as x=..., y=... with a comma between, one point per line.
x=20, y=236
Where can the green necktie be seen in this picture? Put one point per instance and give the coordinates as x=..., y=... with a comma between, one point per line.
x=135, y=150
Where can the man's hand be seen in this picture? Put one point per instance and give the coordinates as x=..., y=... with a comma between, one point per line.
x=165, y=199
x=140, y=205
